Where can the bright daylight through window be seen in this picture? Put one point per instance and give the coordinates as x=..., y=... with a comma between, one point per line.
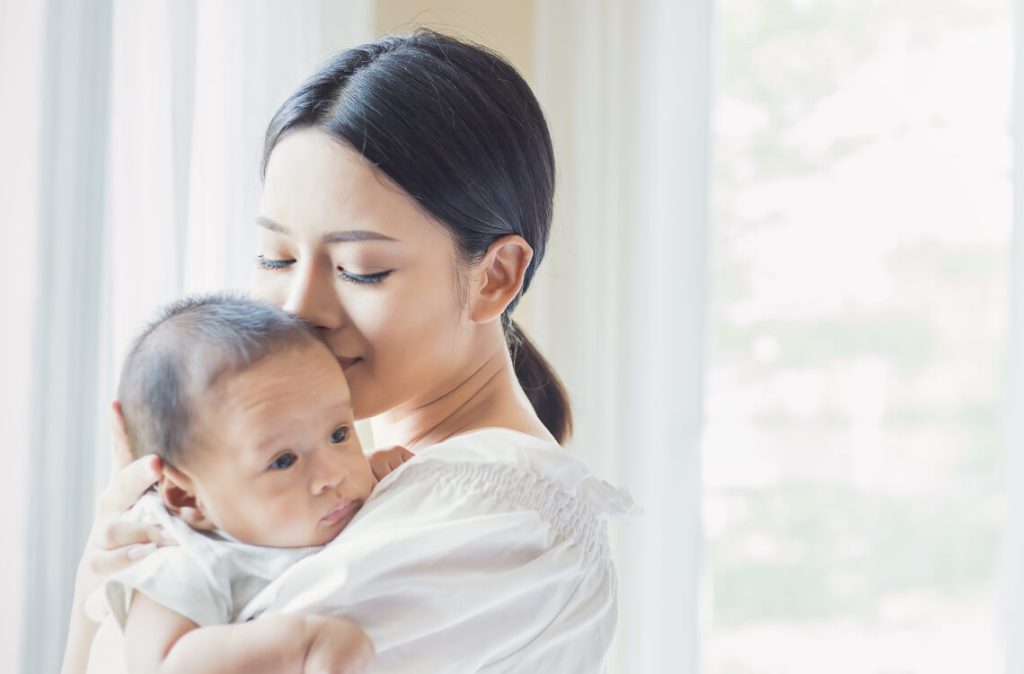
x=861, y=204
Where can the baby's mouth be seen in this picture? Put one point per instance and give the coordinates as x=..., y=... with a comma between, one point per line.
x=341, y=511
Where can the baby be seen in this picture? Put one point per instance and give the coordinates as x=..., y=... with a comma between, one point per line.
x=250, y=414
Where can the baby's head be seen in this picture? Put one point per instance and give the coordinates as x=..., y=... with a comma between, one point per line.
x=251, y=415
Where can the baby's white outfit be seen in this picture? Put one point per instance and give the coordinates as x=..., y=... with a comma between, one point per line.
x=209, y=577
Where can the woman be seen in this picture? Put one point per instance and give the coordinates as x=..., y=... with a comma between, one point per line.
x=407, y=201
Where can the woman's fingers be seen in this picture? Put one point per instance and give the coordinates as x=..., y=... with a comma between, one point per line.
x=129, y=484
x=114, y=543
x=105, y=562
x=119, y=534
x=119, y=544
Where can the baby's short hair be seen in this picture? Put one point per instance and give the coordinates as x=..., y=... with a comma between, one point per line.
x=183, y=353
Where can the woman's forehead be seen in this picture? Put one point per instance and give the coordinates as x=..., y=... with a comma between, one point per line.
x=315, y=185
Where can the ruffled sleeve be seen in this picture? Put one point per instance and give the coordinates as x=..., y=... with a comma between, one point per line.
x=488, y=552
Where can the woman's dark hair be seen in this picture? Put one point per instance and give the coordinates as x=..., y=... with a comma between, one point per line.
x=456, y=127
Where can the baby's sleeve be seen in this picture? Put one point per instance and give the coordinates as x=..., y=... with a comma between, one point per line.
x=180, y=577
x=171, y=577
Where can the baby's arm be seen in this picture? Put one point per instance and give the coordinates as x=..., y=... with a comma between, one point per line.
x=161, y=641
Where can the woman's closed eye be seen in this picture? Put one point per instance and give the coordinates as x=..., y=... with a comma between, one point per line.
x=283, y=461
x=264, y=262
x=362, y=279
x=268, y=264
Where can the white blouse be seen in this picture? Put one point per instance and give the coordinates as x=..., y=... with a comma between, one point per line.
x=487, y=552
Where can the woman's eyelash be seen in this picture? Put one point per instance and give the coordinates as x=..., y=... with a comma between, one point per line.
x=362, y=279
x=264, y=262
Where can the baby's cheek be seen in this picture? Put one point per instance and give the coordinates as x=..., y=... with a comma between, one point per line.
x=266, y=521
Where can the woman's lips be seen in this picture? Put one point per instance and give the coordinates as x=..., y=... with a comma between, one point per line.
x=346, y=363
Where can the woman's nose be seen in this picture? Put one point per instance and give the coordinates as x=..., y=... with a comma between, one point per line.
x=312, y=295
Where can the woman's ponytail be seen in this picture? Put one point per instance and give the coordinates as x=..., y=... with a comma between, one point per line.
x=542, y=386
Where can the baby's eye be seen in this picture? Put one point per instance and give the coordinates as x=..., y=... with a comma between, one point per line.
x=339, y=435
x=284, y=461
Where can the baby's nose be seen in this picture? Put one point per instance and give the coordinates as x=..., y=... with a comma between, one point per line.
x=329, y=475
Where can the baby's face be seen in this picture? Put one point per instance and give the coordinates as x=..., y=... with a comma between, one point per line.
x=280, y=464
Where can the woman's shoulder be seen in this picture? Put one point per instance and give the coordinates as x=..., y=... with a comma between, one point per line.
x=497, y=470
x=496, y=452
x=500, y=446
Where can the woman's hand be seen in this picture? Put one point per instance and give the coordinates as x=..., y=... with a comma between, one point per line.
x=114, y=544
x=338, y=646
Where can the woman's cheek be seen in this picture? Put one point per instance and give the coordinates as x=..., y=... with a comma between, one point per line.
x=397, y=330
x=264, y=288
x=273, y=286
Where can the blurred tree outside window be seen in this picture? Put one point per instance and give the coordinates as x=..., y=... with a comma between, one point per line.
x=861, y=218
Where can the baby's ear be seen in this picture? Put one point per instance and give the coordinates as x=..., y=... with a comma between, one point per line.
x=178, y=493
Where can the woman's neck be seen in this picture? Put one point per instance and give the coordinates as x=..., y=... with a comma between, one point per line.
x=487, y=396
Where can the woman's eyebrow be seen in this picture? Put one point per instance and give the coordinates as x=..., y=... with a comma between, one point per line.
x=329, y=237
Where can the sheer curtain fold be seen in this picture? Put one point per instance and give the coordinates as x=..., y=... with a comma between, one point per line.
x=1013, y=440
x=626, y=90
x=22, y=31
x=66, y=338
x=146, y=158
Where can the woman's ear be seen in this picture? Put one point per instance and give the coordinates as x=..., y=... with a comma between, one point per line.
x=498, y=277
x=178, y=493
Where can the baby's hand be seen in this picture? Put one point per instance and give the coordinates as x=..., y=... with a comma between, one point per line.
x=339, y=646
x=384, y=461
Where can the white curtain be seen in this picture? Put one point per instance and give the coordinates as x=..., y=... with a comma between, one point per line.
x=150, y=126
x=1013, y=439
x=66, y=337
x=22, y=27
x=619, y=304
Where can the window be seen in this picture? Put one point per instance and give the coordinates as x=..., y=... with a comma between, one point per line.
x=861, y=217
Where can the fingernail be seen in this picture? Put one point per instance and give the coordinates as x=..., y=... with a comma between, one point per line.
x=140, y=551
x=166, y=537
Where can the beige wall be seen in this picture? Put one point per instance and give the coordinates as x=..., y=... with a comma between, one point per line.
x=503, y=25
